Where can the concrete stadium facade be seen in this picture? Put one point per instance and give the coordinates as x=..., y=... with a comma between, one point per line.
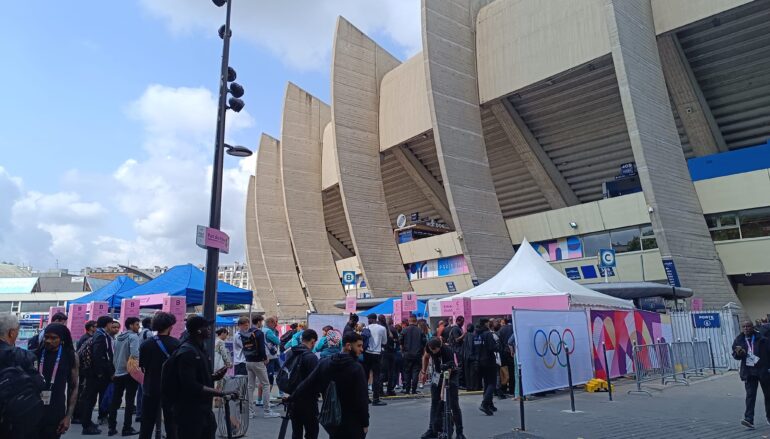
x=576, y=124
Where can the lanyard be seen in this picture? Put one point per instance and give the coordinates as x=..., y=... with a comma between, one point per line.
x=751, y=345
x=161, y=346
x=55, y=367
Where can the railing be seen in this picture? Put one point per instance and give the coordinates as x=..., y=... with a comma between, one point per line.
x=664, y=362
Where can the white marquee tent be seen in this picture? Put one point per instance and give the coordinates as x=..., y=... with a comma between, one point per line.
x=528, y=275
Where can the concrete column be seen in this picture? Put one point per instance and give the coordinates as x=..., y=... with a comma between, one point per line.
x=449, y=51
x=677, y=217
x=258, y=279
x=358, y=66
x=277, y=252
x=304, y=118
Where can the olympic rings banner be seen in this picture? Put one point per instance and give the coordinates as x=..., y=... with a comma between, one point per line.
x=543, y=339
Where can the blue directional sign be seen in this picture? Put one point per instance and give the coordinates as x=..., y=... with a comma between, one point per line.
x=606, y=271
x=606, y=257
x=572, y=273
x=671, y=275
x=348, y=278
x=451, y=287
x=706, y=320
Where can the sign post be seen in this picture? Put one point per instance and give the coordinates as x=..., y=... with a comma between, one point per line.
x=671, y=275
x=206, y=238
x=606, y=261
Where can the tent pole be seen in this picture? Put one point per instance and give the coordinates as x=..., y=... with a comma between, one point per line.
x=250, y=305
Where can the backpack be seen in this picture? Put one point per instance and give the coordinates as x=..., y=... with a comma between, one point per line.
x=86, y=354
x=19, y=394
x=330, y=416
x=289, y=377
x=366, y=334
x=33, y=343
x=249, y=343
x=169, y=379
x=478, y=343
x=286, y=337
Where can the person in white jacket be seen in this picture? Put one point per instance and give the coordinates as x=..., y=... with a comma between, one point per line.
x=378, y=337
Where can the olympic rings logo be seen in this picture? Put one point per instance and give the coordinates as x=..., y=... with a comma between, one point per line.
x=553, y=344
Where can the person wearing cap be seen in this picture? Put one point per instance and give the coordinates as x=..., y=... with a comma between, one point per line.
x=58, y=365
x=193, y=416
x=373, y=356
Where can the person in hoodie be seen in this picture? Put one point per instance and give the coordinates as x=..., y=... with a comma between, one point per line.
x=351, y=385
x=350, y=327
x=487, y=344
x=126, y=347
x=98, y=376
x=413, y=342
x=304, y=412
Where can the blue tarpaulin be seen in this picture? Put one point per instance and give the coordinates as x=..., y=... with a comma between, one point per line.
x=109, y=293
x=188, y=281
x=386, y=308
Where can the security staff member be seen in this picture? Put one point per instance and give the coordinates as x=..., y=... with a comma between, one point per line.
x=488, y=347
x=443, y=359
x=193, y=416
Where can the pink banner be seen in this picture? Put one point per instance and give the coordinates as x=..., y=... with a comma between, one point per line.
x=76, y=321
x=128, y=308
x=54, y=309
x=178, y=307
x=97, y=309
x=462, y=307
x=350, y=304
x=398, y=314
x=152, y=299
x=409, y=302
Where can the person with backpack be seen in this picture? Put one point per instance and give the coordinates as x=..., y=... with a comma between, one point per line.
x=488, y=347
x=413, y=343
x=255, y=354
x=144, y=334
x=239, y=361
x=187, y=384
x=443, y=360
x=95, y=357
x=300, y=363
x=340, y=378
x=454, y=340
x=377, y=338
x=20, y=384
x=90, y=330
x=287, y=336
x=59, y=368
x=126, y=349
x=153, y=354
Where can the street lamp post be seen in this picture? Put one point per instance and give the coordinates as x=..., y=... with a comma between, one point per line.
x=227, y=75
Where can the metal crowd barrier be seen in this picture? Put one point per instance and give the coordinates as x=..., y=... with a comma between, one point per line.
x=654, y=362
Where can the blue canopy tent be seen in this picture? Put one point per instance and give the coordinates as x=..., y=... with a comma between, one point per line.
x=188, y=281
x=109, y=293
x=386, y=308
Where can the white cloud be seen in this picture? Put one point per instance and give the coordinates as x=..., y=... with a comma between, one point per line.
x=162, y=195
x=299, y=32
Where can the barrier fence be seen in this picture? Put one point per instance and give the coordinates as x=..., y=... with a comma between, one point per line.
x=665, y=361
x=720, y=336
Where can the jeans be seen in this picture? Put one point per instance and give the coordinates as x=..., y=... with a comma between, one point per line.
x=152, y=411
x=489, y=374
x=273, y=367
x=304, y=418
x=258, y=374
x=751, y=396
x=92, y=388
x=372, y=363
x=411, y=373
x=123, y=383
x=437, y=408
x=389, y=375
x=105, y=400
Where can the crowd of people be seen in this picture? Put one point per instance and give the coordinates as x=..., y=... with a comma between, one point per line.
x=156, y=376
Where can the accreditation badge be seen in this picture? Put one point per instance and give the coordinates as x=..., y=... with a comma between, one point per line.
x=45, y=396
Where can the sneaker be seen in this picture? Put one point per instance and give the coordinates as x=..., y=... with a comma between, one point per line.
x=493, y=408
x=421, y=385
x=258, y=403
x=746, y=423
x=486, y=410
x=112, y=432
x=129, y=432
x=370, y=387
x=379, y=403
x=429, y=435
x=271, y=414
x=91, y=431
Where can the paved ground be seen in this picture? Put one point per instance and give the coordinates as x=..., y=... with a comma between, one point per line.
x=708, y=408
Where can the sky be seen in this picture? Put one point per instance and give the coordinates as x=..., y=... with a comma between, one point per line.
x=108, y=112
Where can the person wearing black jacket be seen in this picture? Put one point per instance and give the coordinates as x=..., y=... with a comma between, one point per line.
x=304, y=412
x=350, y=326
x=98, y=376
x=90, y=331
x=487, y=344
x=191, y=405
x=752, y=350
x=153, y=354
x=12, y=356
x=389, y=375
x=507, y=365
x=443, y=359
x=412, y=343
x=454, y=341
x=351, y=385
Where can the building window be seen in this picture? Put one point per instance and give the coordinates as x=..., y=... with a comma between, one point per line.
x=36, y=306
x=593, y=243
x=6, y=306
x=626, y=240
x=648, y=238
x=755, y=223
x=723, y=226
